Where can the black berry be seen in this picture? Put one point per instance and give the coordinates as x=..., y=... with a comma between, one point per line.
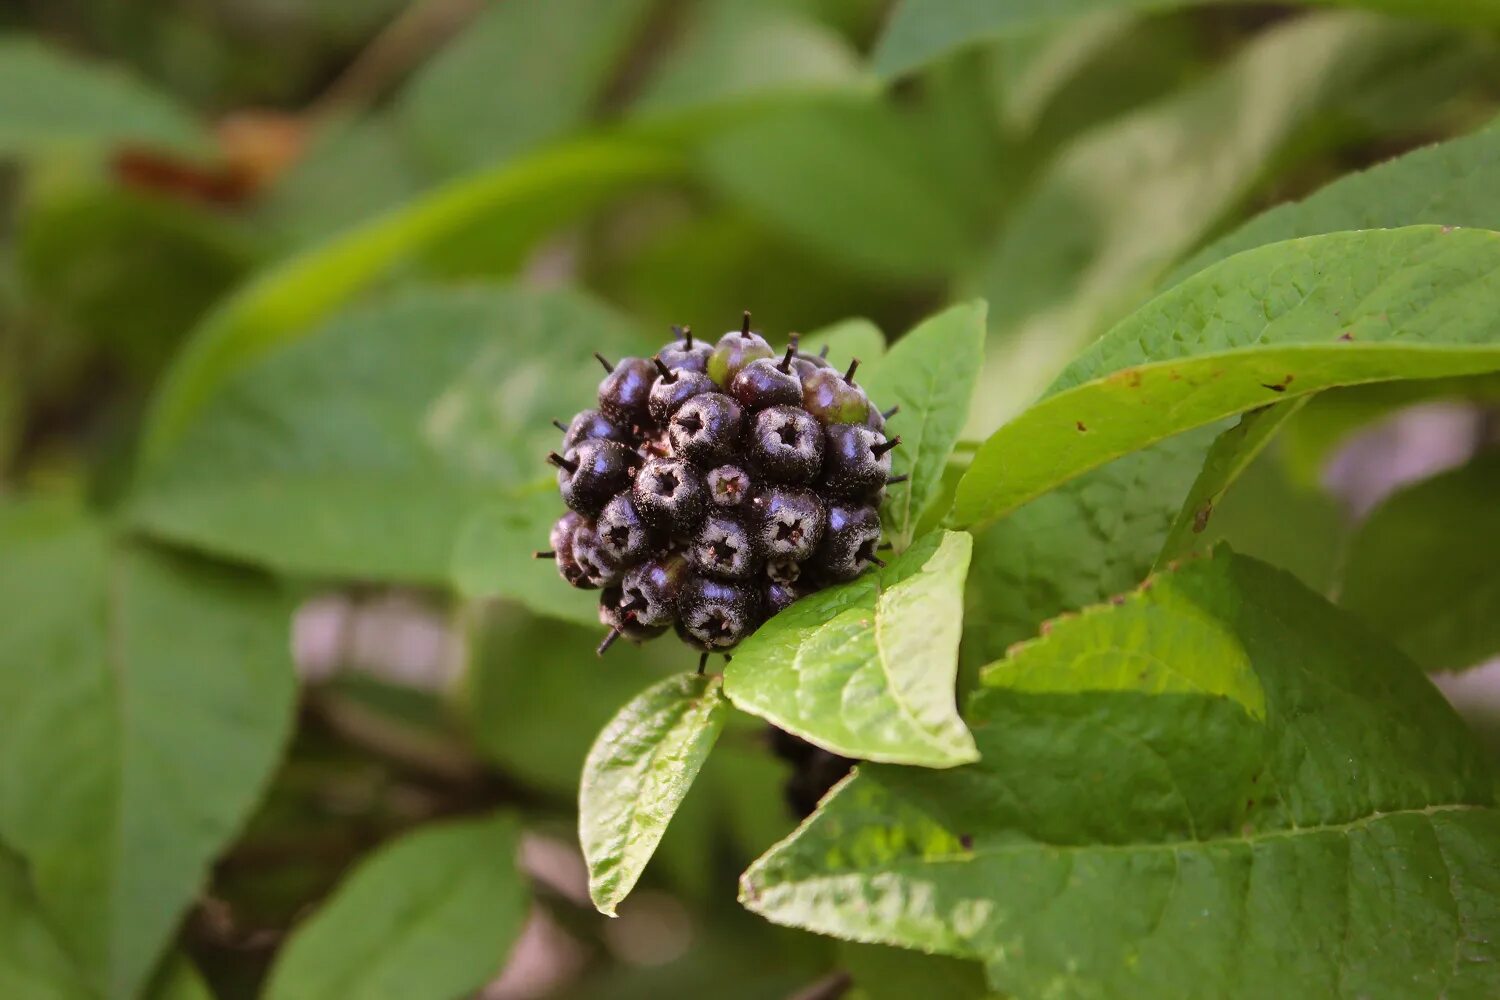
x=589, y=475
x=728, y=486
x=591, y=424
x=685, y=354
x=786, y=445
x=705, y=430
x=780, y=596
x=673, y=388
x=652, y=589
x=625, y=392
x=714, y=615
x=766, y=383
x=723, y=549
x=857, y=461
x=834, y=398
x=668, y=496
x=621, y=531
x=597, y=567
x=789, y=523
x=849, y=543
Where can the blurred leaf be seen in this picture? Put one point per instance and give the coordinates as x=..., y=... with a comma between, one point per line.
x=1089, y=539
x=1231, y=453
x=1034, y=65
x=433, y=914
x=146, y=700
x=360, y=451
x=286, y=301
x=350, y=171
x=33, y=962
x=637, y=774
x=1421, y=569
x=1449, y=183
x=1123, y=202
x=856, y=183
x=130, y=272
x=523, y=72
x=895, y=974
x=847, y=340
x=930, y=373
x=736, y=54
x=866, y=669
x=920, y=31
x=1268, y=325
x=178, y=979
x=50, y=101
x=1204, y=747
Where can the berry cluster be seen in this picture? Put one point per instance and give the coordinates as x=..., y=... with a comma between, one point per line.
x=813, y=771
x=715, y=485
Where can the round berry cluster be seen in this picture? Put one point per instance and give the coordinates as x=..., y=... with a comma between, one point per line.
x=715, y=485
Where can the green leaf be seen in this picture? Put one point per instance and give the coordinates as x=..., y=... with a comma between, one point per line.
x=893, y=974
x=846, y=340
x=513, y=205
x=920, y=31
x=1122, y=203
x=33, y=962
x=637, y=774
x=1179, y=796
x=866, y=669
x=1268, y=325
x=898, y=216
x=433, y=914
x=1089, y=539
x=361, y=451
x=930, y=373
x=146, y=699
x=1231, y=454
x=52, y=101
x=1421, y=569
x=478, y=101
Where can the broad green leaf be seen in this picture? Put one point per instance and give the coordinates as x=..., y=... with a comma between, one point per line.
x=1449, y=183
x=637, y=774
x=33, y=963
x=920, y=31
x=1221, y=787
x=146, y=698
x=735, y=55
x=480, y=100
x=362, y=450
x=847, y=340
x=50, y=100
x=881, y=973
x=898, y=216
x=1267, y=325
x=1121, y=204
x=287, y=300
x=431, y=915
x=1089, y=539
x=1231, y=453
x=1422, y=568
x=866, y=669
x=930, y=373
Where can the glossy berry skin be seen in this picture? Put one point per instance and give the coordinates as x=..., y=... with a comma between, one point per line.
x=598, y=567
x=599, y=470
x=728, y=486
x=561, y=542
x=714, y=615
x=705, y=430
x=652, y=589
x=856, y=463
x=780, y=596
x=733, y=352
x=788, y=523
x=848, y=546
x=832, y=399
x=683, y=355
x=622, y=532
x=673, y=389
x=625, y=393
x=668, y=495
x=723, y=549
x=786, y=445
x=620, y=615
x=763, y=383
x=591, y=424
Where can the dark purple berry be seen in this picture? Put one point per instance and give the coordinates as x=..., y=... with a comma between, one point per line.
x=625, y=393
x=766, y=383
x=668, y=496
x=788, y=522
x=728, y=486
x=857, y=461
x=834, y=398
x=734, y=351
x=706, y=429
x=591, y=424
x=561, y=540
x=780, y=596
x=622, y=532
x=652, y=589
x=786, y=445
x=673, y=388
x=686, y=354
x=714, y=615
x=589, y=475
x=722, y=548
x=849, y=543
x=597, y=566
x=619, y=614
